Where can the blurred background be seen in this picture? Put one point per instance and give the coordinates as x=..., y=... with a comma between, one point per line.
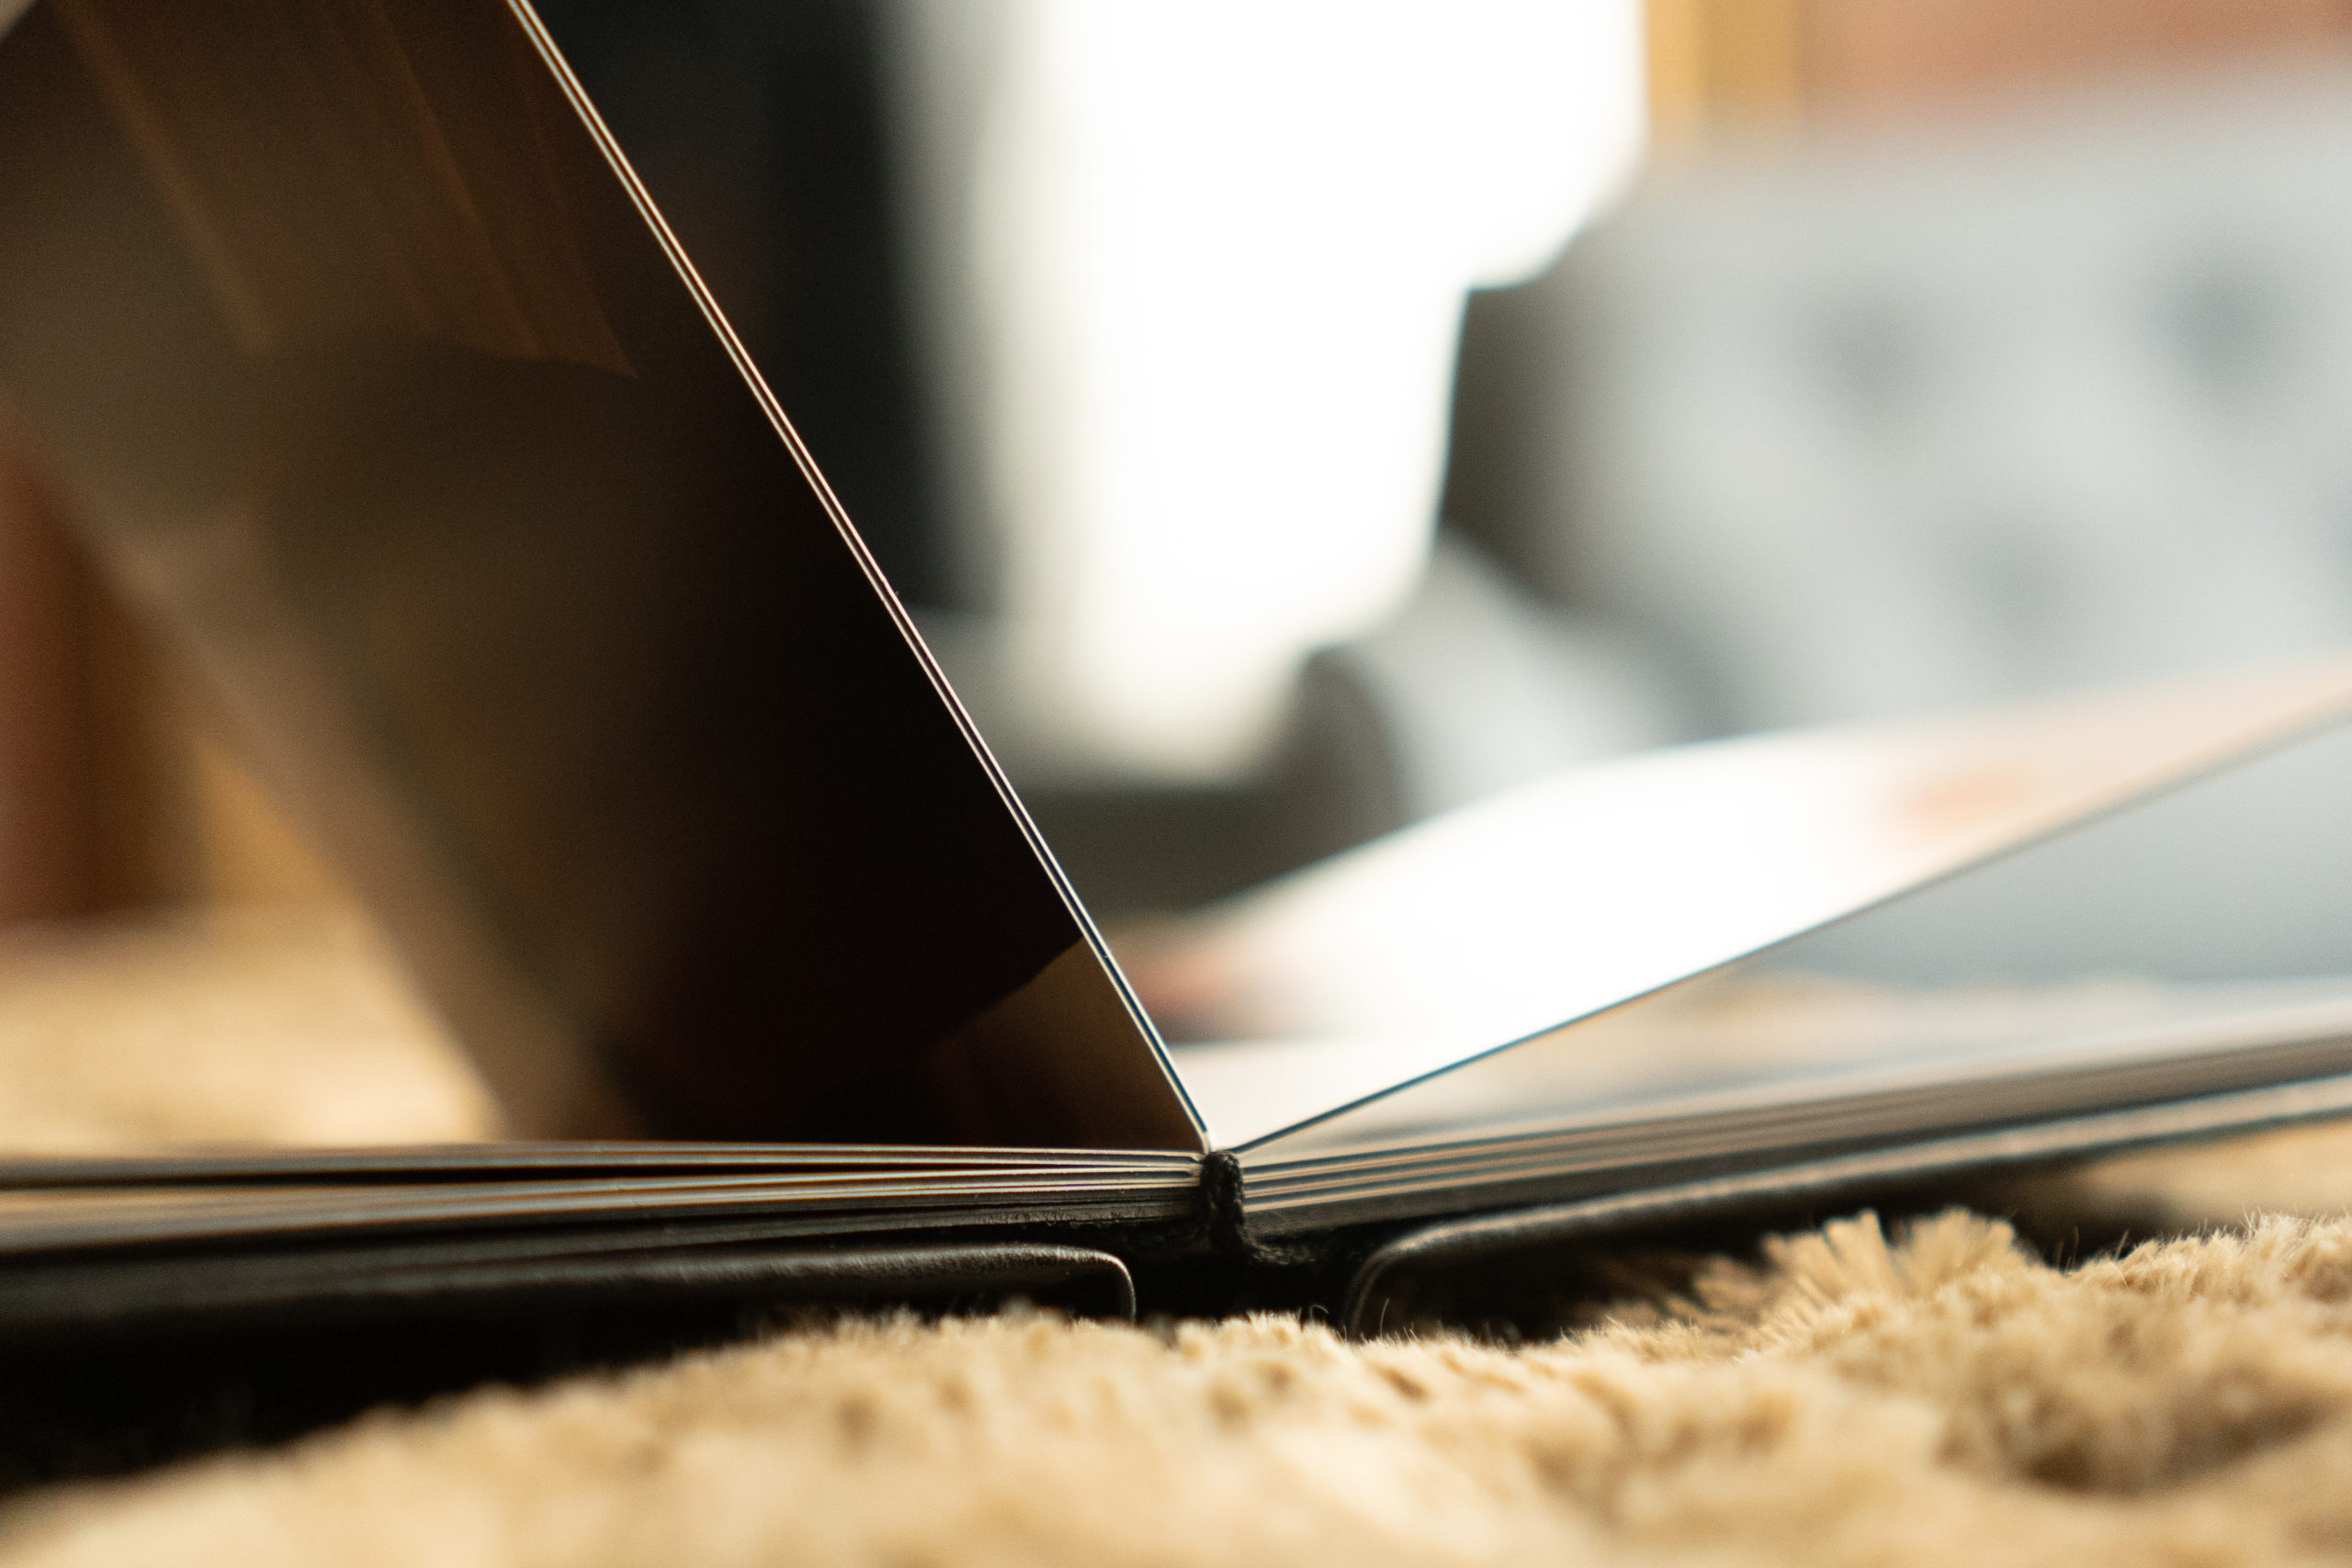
x=1288, y=421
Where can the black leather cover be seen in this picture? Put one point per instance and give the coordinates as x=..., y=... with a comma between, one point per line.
x=86, y=1301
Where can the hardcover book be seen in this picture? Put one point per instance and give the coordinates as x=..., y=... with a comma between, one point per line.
x=376, y=382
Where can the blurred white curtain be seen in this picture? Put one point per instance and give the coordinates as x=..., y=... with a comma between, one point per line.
x=1205, y=265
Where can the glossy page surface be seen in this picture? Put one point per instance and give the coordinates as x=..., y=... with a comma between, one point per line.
x=378, y=381
x=1423, y=952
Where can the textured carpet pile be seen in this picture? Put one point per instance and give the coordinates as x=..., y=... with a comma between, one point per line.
x=1938, y=1397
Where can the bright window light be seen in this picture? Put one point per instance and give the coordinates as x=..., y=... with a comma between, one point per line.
x=1219, y=274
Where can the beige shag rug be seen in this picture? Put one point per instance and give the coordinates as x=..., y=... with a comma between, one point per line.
x=1938, y=1397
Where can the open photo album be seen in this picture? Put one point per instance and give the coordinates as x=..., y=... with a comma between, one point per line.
x=377, y=385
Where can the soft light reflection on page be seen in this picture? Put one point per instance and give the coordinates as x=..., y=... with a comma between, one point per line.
x=1504, y=921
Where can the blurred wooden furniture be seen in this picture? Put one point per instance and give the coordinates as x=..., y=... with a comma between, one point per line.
x=1719, y=62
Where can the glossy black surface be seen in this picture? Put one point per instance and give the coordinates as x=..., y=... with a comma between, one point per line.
x=371, y=380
